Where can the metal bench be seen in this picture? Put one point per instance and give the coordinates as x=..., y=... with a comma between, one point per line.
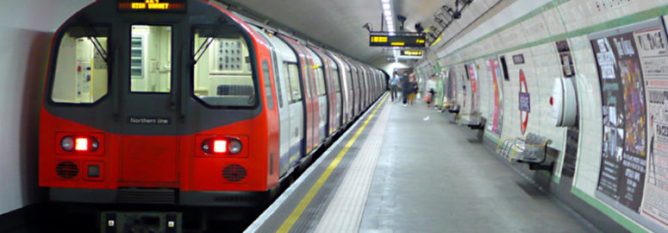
x=531, y=149
x=453, y=109
x=477, y=123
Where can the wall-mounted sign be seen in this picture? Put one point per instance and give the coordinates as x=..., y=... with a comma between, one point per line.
x=518, y=59
x=152, y=5
x=382, y=40
x=524, y=102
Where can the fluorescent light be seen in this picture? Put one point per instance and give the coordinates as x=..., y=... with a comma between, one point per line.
x=388, y=12
x=386, y=6
x=385, y=1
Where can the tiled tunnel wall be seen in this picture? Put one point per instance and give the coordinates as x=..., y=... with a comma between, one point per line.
x=532, y=29
x=26, y=28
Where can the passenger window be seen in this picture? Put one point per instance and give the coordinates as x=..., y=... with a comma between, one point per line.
x=150, y=59
x=279, y=88
x=293, y=71
x=337, y=79
x=320, y=81
x=82, y=74
x=267, y=85
x=223, y=70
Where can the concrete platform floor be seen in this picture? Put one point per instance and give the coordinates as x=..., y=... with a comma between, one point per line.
x=432, y=177
x=425, y=174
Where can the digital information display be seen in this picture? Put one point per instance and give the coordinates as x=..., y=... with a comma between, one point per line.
x=397, y=41
x=152, y=5
x=412, y=53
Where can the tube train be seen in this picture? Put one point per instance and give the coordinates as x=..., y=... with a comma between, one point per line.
x=185, y=103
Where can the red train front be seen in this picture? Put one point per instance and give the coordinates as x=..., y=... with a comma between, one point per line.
x=158, y=103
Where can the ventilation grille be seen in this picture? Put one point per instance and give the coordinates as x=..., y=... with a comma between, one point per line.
x=234, y=173
x=67, y=170
x=146, y=196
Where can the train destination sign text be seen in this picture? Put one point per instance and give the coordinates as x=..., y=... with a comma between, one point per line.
x=381, y=40
x=152, y=5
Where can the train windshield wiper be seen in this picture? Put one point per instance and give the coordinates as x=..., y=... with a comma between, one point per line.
x=92, y=33
x=99, y=48
x=202, y=49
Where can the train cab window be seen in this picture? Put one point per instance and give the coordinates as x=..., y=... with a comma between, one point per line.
x=293, y=74
x=223, y=74
x=81, y=74
x=150, y=59
x=320, y=81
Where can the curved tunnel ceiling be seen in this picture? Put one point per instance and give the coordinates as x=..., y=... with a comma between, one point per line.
x=338, y=23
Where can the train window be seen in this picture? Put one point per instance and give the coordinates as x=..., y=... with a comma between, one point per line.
x=293, y=72
x=279, y=89
x=267, y=85
x=150, y=59
x=223, y=75
x=82, y=74
x=337, y=78
x=320, y=81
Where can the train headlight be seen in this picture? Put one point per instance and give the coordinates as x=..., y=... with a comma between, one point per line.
x=67, y=143
x=221, y=146
x=81, y=144
x=234, y=146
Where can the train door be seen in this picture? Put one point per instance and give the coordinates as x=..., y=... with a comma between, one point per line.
x=285, y=125
x=338, y=98
x=344, y=89
x=330, y=83
x=150, y=104
x=321, y=92
x=308, y=93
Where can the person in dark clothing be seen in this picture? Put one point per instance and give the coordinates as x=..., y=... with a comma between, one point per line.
x=413, y=90
x=405, y=89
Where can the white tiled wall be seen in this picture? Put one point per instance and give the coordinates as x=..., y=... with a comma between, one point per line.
x=24, y=41
x=543, y=66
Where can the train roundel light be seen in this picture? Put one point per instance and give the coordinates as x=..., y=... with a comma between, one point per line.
x=235, y=146
x=67, y=143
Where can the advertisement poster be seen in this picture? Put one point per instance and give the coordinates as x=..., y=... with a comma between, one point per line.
x=497, y=91
x=622, y=170
x=653, y=52
x=451, y=87
x=475, y=93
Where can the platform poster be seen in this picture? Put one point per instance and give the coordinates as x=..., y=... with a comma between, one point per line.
x=451, y=86
x=653, y=50
x=622, y=170
x=475, y=93
x=497, y=90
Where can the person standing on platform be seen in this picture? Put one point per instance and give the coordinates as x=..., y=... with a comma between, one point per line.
x=405, y=89
x=394, y=85
x=413, y=89
x=431, y=88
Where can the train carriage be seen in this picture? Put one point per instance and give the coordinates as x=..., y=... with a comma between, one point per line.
x=184, y=103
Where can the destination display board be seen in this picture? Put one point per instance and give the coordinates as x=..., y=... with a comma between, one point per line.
x=152, y=5
x=400, y=41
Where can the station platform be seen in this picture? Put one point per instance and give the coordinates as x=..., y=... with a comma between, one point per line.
x=409, y=169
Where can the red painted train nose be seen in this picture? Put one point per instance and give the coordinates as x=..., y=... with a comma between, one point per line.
x=149, y=162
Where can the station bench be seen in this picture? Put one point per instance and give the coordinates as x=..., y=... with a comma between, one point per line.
x=531, y=149
x=477, y=123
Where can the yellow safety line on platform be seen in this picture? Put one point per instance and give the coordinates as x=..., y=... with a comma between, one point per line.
x=297, y=212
